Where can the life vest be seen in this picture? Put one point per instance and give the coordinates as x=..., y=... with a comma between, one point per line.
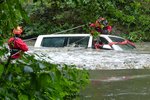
x=101, y=28
x=16, y=46
x=13, y=51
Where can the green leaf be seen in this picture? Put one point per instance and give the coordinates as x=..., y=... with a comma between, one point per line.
x=44, y=80
x=22, y=97
x=1, y=69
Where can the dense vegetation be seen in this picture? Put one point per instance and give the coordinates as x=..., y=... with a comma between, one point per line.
x=128, y=18
x=28, y=78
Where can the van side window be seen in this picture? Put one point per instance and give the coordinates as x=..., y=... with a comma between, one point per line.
x=100, y=41
x=53, y=42
x=103, y=40
x=78, y=41
x=114, y=39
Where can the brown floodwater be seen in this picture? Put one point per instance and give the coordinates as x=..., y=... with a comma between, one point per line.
x=117, y=84
x=123, y=84
x=126, y=84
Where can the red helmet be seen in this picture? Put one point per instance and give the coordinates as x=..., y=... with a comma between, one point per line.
x=100, y=19
x=18, y=30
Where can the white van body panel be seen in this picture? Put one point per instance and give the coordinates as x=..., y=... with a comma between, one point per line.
x=40, y=38
x=90, y=41
x=115, y=47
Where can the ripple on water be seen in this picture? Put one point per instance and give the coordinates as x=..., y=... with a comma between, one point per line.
x=95, y=59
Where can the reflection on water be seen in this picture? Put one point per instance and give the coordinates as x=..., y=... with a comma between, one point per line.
x=118, y=85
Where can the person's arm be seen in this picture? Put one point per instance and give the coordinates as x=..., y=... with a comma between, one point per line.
x=109, y=28
x=10, y=44
x=92, y=25
x=21, y=45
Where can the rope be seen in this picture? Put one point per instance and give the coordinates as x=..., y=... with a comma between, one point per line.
x=70, y=29
x=58, y=32
x=29, y=39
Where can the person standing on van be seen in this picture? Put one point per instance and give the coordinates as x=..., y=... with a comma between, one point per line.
x=16, y=44
x=101, y=26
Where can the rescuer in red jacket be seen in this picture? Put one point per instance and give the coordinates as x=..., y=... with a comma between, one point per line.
x=101, y=26
x=16, y=44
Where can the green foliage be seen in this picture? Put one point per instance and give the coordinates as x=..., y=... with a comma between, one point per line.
x=53, y=16
x=28, y=78
x=136, y=36
x=96, y=34
x=33, y=79
x=11, y=15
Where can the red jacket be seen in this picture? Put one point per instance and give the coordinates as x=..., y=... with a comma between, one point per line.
x=18, y=45
x=109, y=28
x=99, y=29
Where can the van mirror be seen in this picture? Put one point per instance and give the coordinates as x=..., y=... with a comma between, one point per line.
x=106, y=46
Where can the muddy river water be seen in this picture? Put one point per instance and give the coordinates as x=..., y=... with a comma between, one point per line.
x=126, y=84
x=93, y=59
x=120, y=84
x=114, y=75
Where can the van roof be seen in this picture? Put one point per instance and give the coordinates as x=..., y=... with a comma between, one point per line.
x=52, y=35
x=64, y=35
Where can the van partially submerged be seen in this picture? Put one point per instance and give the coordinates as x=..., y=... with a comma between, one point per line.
x=108, y=42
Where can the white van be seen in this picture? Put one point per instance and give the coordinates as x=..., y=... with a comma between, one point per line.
x=109, y=42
